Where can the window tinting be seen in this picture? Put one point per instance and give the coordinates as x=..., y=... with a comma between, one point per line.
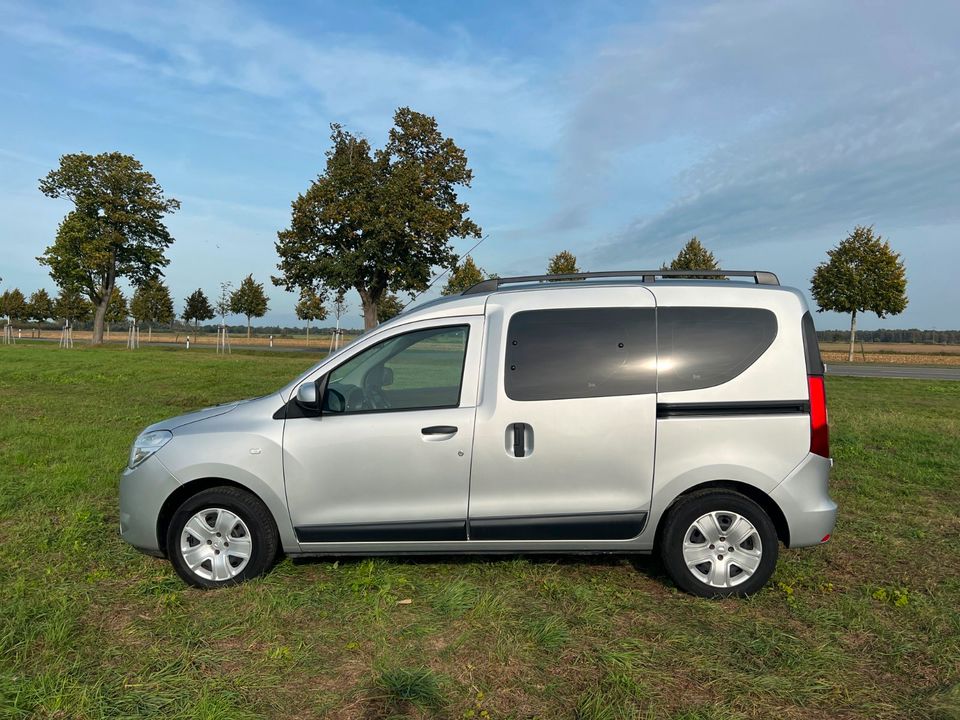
x=811, y=347
x=413, y=371
x=700, y=347
x=580, y=353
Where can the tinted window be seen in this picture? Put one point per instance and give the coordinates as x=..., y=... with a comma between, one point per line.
x=413, y=371
x=811, y=347
x=700, y=347
x=580, y=353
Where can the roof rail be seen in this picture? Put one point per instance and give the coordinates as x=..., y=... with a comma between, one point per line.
x=761, y=277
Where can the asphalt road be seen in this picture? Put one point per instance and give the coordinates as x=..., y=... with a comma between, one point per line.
x=911, y=372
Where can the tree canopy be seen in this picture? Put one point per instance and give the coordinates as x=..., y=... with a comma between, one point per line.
x=311, y=307
x=249, y=299
x=694, y=256
x=563, y=263
x=117, y=310
x=114, y=230
x=71, y=306
x=13, y=305
x=862, y=274
x=464, y=275
x=40, y=307
x=151, y=303
x=389, y=307
x=196, y=307
x=378, y=221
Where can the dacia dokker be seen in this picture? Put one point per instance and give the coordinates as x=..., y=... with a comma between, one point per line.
x=621, y=412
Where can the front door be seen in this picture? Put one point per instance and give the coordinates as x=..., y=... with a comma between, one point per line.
x=388, y=459
x=566, y=424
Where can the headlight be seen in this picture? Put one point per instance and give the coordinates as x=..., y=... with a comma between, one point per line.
x=147, y=444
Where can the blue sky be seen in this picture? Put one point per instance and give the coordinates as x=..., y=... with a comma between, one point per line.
x=615, y=130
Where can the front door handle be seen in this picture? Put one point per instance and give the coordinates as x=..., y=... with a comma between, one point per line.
x=439, y=430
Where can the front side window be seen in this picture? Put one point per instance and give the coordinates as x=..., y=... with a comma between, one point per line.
x=415, y=371
x=580, y=353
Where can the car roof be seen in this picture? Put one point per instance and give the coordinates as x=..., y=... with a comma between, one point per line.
x=474, y=303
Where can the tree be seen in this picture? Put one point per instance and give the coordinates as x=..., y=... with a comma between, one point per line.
x=310, y=308
x=13, y=305
x=72, y=306
x=863, y=273
x=389, y=307
x=250, y=300
x=378, y=222
x=117, y=309
x=223, y=302
x=197, y=307
x=462, y=276
x=114, y=230
x=151, y=303
x=563, y=263
x=694, y=256
x=40, y=307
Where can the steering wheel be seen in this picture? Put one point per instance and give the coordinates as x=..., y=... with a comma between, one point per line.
x=373, y=390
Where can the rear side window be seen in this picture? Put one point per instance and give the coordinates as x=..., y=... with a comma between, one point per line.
x=700, y=347
x=580, y=353
x=811, y=347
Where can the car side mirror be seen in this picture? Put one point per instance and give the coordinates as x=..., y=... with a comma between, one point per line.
x=307, y=396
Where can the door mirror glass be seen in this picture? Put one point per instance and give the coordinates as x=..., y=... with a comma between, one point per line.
x=307, y=396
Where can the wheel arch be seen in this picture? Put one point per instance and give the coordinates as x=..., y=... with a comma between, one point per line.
x=188, y=490
x=761, y=498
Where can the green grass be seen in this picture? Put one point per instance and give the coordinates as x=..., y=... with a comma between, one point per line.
x=866, y=626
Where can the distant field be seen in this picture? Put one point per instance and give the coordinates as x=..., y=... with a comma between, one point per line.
x=893, y=353
x=898, y=348
x=867, y=626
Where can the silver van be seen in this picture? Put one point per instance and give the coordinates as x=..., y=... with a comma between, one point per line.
x=616, y=412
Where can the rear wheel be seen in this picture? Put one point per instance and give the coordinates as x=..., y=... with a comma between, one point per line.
x=719, y=543
x=221, y=536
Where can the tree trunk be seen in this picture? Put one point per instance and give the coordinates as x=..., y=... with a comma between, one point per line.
x=98, y=319
x=369, y=309
x=308, y=334
x=248, y=327
x=853, y=333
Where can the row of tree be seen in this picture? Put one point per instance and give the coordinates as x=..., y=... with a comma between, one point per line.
x=374, y=221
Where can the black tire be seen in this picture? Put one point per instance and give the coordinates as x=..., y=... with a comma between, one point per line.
x=259, y=525
x=680, y=521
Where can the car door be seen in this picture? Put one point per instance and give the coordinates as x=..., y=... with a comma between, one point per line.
x=565, y=430
x=388, y=458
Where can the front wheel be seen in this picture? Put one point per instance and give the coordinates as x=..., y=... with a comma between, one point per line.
x=719, y=543
x=221, y=536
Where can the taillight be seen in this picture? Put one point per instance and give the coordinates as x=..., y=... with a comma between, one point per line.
x=819, y=429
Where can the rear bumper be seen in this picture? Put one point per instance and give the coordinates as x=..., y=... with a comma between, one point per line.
x=805, y=501
x=143, y=490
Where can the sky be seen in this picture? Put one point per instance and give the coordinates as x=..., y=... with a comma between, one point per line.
x=615, y=130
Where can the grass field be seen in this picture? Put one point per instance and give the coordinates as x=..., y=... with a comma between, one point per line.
x=867, y=626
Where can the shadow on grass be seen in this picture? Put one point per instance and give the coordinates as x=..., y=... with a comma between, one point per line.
x=645, y=564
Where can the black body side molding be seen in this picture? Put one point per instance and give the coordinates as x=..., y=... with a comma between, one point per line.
x=384, y=532
x=728, y=409
x=593, y=526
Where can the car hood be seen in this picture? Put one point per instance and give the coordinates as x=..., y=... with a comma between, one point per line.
x=196, y=416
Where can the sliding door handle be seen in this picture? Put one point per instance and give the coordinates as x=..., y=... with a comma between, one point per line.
x=439, y=430
x=519, y=439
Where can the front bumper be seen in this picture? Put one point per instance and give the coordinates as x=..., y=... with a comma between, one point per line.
x=143, y=490
x=805, y=501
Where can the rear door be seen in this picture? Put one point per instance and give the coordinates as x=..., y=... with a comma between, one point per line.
x=565, y=428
